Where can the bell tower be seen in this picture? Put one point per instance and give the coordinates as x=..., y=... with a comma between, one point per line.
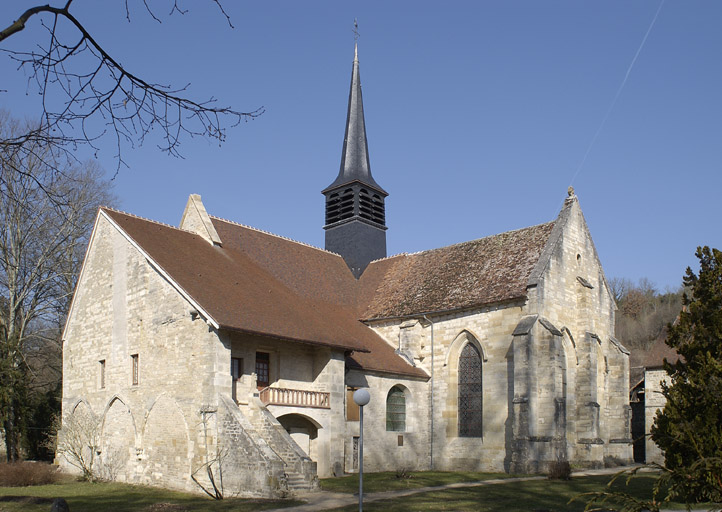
x=355, y=203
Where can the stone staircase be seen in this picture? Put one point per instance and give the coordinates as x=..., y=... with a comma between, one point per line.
x=299, y=469
x=299, y=482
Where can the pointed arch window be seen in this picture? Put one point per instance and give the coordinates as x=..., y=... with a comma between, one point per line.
x=470, y=392
x=396, y=410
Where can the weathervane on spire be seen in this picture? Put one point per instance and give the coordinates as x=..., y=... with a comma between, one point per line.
x=356, y=35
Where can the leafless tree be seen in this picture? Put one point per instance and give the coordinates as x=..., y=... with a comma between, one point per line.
x=620, y=286
x=644, y=312
x=213, y=465
x=87, y=94
x=78, y=442
x=46, y=215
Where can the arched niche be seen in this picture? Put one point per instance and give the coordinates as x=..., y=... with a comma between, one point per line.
x=117, y=439
x=166, y=443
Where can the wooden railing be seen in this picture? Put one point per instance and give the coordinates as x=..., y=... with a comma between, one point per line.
x=295, y=397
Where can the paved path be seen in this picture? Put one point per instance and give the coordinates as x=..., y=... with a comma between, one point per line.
x=325, y=500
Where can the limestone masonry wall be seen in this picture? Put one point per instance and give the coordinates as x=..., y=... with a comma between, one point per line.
x=572, y=294
x=156, y=377
x=138, y=360
x=653, y=401
x=554, y=378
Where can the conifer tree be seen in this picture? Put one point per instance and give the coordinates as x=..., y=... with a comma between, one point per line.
x=689, y=428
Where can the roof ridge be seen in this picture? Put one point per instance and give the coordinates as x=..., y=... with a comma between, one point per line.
x=389, y=257
x=478, y=239
x=272, y=234
x=145, y=219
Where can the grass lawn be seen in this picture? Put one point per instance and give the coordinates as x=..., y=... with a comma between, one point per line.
x=388, y=481
x=536, y=495
x=115, y=497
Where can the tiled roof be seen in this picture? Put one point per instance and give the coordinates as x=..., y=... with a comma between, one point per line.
x=484, y=271
x=264, y=284
x=301, y=294
x=237, y=292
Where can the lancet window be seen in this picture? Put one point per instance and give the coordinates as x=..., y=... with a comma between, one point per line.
x=470, y=392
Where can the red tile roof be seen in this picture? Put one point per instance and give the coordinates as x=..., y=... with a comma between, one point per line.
x=259, y=283
x=309, y=299
x=484, y=271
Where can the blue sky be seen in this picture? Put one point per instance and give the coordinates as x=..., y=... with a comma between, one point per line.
x=478, y=114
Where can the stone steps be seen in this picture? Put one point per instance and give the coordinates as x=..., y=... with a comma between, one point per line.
x=268, y=428
x=297, y=482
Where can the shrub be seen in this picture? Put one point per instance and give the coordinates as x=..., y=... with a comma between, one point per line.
x=22, y=474
x=560, y=470
x=403, y=474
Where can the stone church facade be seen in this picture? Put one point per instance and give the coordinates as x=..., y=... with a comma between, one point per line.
x=214, y=349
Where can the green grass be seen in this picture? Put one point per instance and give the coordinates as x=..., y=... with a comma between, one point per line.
x=115, y=497
x=542, y=495
x=534, y=495
x=388, y=481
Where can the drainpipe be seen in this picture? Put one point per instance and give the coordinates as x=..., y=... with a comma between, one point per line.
x=431, y=398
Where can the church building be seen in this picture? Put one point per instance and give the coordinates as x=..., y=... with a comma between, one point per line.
x=214, y=356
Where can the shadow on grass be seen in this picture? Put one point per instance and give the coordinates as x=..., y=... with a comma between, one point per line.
x=93, y=497
x=390, y=481
x=535, y=495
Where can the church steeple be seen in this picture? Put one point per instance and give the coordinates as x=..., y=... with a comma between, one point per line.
x=355, y=211
x=355, y=154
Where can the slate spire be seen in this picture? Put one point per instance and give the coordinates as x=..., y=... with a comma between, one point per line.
x=355, y=164
x=355, y=210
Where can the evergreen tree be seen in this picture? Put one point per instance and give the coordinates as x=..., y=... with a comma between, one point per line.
x=689, y=428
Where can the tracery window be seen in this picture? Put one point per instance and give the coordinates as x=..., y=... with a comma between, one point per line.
x=396, y=410
x=470, y=392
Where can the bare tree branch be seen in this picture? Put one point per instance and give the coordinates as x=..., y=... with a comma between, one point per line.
x=45, y=219
x=86, y=93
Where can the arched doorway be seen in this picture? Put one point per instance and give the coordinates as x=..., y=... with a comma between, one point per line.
x=303, y=430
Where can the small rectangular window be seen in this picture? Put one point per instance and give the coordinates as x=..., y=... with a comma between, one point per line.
x=101, y=374
x=134, y=359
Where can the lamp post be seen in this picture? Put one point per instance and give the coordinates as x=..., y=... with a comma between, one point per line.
x=361, y=397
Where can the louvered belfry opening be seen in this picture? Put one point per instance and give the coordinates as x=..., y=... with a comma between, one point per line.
x=339, y=206
x=470, y=392
x=371, y=207
x=346, y=204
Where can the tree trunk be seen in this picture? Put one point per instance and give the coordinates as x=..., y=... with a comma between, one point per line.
x=12, y=437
